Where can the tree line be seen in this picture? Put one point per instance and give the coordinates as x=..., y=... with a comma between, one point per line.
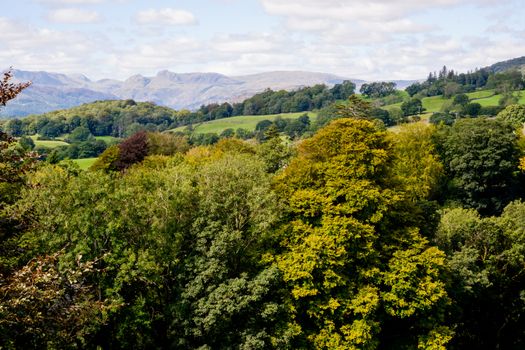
x=449, y=83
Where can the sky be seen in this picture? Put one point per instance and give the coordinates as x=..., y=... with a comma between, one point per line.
x=370, y=40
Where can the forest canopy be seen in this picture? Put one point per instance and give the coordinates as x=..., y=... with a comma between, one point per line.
x=349, y=236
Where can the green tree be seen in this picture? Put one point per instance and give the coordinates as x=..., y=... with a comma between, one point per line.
x=472, y=109
x=14, y=127
x=514, y=114
x=80, y=134
x=349, y=273
x=275, y=153
x=461, y=100
x=167, y=143
x=378, y=89
x=412, y=107
x=416, y=164
x=450, y=89
x=485, y=260
x=176, y=252
x=480, y=158
x=107, y=160
x=26, y=143
x=354, y=107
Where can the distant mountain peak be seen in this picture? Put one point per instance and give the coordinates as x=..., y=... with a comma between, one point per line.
x=51, y=91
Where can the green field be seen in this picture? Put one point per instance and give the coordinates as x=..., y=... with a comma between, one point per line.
x=247, y=122
x=110, y=140
x=48, y=143
x=483, y=97
x=480, y=94
x=85, y=163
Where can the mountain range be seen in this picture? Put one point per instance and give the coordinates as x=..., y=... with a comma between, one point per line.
x=52, y=91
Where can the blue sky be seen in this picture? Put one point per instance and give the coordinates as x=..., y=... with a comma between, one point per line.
x=372, y=40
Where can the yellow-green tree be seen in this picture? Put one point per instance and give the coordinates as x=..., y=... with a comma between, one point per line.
x=350, y=262
x=416, y=166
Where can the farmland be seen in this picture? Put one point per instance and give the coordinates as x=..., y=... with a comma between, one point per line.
x=247, y=122
x=85, y=163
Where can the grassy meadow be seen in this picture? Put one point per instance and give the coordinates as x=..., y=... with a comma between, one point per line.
x=84, y=163
x=247, y=122
x=483, y=97
x=48, y=143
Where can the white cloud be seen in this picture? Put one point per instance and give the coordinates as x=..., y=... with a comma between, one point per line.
x=166, y=16
x=376, y=39
x=374, y=10
x=245, y=43
x=26, y=47
x=354, y=22
x=71, y=2
x=73, y=16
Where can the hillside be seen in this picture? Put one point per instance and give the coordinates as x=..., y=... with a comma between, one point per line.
x=485, y=98
x=515, y=63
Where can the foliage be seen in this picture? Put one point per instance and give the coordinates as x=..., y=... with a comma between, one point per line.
x=179, y=249
x=199, y=241
x=346, y=280
x=85, y=149
x=355, y=107
x=40, y=305
x=132, y=150
x=472, y=109
x=416, y=164
x=412, y=107
x=485, y=258
x=513, y=114
x=15, y=164
x=305, y=99
x=480, y=158
x=378, y=89
x=447, y=83
x=167, y=144
x=107, y=160
x=26, y=143
x=275, y=153
x=79, y=134
x=442, y=118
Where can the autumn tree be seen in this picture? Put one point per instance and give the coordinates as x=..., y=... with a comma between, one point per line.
x=8, y=89
x=416, y=166
x=352, y=277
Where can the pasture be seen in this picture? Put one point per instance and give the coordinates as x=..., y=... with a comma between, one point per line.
x=247, y=122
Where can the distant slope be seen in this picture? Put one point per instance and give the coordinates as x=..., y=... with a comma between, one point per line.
x=515, y=63
x=53, y=91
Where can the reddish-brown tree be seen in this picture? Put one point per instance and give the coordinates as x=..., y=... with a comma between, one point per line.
x=132, y=150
